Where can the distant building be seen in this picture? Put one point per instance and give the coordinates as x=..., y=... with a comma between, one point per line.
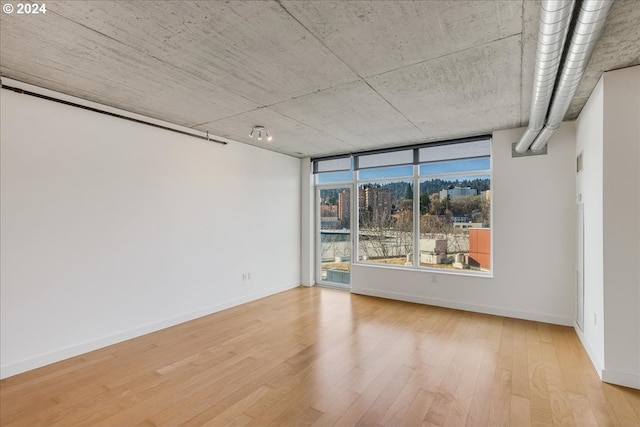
x=344, y=205
x=327, y=211
x=378, y=199
x=456, y=192
x=486, y=194
x=361, y=201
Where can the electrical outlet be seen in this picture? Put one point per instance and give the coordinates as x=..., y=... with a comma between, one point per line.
x=595, y=318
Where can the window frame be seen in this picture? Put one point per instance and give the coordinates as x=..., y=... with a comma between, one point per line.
x=357, y=182
x=415, y=180
x=318, y=230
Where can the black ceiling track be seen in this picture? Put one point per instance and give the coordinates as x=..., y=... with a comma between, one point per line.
x=119, y=116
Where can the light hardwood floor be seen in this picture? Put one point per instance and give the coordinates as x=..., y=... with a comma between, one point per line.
x=314, y=356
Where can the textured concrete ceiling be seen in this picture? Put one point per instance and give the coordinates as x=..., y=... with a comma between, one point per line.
x=324, y=77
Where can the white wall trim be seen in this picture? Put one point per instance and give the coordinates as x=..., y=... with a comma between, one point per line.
x=593, y=356
x=476, y=308
x=75, y=350
x=621, y=378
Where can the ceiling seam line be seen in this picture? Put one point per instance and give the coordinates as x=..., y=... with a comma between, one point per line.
x=311, y=127
x=313, y=93
x=441, y=56
x=281, y=102
x=233, y=115
x=317, y=38
x=392, y=106
x=290, y=118
x=156, y=58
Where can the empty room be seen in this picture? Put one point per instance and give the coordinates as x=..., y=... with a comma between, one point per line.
x=327, y=213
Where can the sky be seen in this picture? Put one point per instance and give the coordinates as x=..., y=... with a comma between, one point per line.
x=435, y=168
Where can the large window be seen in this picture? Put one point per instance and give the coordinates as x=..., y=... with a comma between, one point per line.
x=424, y=207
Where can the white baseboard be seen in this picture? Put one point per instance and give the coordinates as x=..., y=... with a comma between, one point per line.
x=621, y=378
x=593, y=356
x=85, y=347
x=476, y=308
x=607, y=375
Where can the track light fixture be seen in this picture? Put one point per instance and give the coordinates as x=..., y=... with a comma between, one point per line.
x=259, y=130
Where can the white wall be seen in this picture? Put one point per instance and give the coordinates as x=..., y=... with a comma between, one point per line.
x=621, y=218
x=112, y=229
x=608, y=134
x=589, y=137
x=533, y=234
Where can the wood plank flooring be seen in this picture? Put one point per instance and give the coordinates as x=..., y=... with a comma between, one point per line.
x=323, y=357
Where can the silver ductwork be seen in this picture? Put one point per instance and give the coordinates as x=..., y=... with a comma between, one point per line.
x=555, y=18
x=590, y=23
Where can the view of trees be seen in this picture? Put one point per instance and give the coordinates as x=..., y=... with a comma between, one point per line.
x=330, y=196
x=435, y=185
x=387, y=235
x=476, y=208
x=385, y=228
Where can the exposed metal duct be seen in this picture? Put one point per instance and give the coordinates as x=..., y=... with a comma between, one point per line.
x=589, y=25
x=555, y=18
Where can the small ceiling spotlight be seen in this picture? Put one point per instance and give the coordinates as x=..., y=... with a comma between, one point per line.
x=260, y=130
